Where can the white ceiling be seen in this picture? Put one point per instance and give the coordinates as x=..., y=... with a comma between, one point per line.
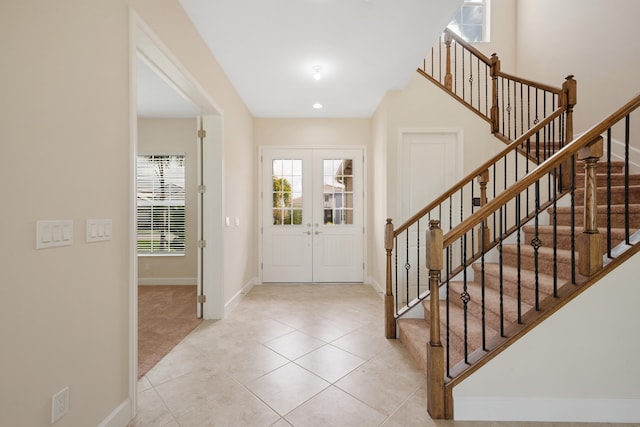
x=268, y=49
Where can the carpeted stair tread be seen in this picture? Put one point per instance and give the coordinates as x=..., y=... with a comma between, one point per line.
x=414, y=334
x=491, y=305
x=563, y=235
x=546, y=259
x=617, y=194
x=563, y=215
x=617, y=179
x=510, y=281
x=456, y=331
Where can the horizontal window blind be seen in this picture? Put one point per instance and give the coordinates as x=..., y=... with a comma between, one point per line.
x=161, y=216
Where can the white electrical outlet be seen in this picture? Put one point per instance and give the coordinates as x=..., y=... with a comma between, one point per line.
x=59, y=404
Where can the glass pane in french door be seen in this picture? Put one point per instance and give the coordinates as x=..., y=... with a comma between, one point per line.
x=337, y=191
x=287, y=191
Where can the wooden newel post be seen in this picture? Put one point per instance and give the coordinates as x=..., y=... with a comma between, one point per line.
x=568, y=99
x=435, y=352
x=448, y=78
x=483, y=179
x=495, y=111
x=590, y=242
x=389, y=315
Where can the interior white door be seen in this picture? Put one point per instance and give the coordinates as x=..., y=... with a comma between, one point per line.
x=312, y=215
x=429, y=165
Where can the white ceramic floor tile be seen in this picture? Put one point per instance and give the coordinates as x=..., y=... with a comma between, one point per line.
x=330, y=363
x=287, y=387
x=333, y=407
x=294, y=344
x=151, y=410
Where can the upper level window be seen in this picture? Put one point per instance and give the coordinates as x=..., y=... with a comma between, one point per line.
x=471, y=21
x=161, y=220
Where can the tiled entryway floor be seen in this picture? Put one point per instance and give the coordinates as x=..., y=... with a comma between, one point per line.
x=290, y=355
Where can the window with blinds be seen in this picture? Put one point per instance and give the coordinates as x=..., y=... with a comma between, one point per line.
x=160, y=206
x=471, y=21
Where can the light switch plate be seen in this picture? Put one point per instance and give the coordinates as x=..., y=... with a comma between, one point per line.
x=52, y=233
x=99, y=230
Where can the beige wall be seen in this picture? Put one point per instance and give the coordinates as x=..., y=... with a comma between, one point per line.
x=173, y=136
x=171, y=24
x=312, y=132
x=574, y=364
x=596, y=41
x=64, y=130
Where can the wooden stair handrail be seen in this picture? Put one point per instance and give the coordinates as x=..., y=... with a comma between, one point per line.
x=487, y=60
x=479, y=170
x=539, y=171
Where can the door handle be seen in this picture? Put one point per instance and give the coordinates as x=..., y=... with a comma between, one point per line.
x=318, y=232
x=306, y=232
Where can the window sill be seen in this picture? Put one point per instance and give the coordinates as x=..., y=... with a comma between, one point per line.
x=159, y=255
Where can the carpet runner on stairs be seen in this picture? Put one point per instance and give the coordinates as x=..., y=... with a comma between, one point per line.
x=504, y=284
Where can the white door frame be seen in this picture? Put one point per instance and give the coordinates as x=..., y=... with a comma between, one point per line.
x=458, y=165
x=145, y=43
x=365, y=202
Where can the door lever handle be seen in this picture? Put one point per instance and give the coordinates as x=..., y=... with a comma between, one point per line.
x=306, y=232
x=318, y=232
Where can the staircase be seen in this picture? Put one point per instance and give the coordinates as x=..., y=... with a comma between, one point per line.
x=520, y=236
x=513, y=289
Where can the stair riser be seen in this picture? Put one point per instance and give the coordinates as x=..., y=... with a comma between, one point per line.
x=617, y=195
x=545, y=264
x=563, y=241
x=601, y=180
x=617, y=219
x=491, y=309
x=510, y=288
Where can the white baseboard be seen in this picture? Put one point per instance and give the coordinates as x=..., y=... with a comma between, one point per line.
x=177, y=281
x=375, y=285
x=547, y=409
x=241, y=293
x=119, y=417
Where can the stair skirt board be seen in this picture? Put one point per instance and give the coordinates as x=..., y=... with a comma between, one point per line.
x=546, y=409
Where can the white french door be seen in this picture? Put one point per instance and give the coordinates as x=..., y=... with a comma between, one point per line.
x=312, y=215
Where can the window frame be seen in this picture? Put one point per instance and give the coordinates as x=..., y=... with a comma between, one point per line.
x=486, y=20
x=176, y=199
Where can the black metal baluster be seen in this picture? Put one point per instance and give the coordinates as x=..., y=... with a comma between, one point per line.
x=573, y=219
x=465, y=297
x=536, y=243
x=500, y=239
x=627, y=124
x=395, y=245
x=418, y=259
x=519, y=253
x=609, y=192
x=447, y=332
x=554, y=220
x=482, y=285
x=407, y=267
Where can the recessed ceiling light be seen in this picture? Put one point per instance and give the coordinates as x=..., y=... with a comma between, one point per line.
x=317, y=106
x=316, y=72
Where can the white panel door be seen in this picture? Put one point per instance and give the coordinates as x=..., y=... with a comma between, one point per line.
x=429, y=165
x=312, y=216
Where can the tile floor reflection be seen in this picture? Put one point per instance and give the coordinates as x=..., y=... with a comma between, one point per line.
x=291, y=355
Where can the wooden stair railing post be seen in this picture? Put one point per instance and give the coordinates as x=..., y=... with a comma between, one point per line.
x=495, y=111
x=390, y=319
x=568, y=98
x=448, y=78
x=590, y=242
x=436, y=402
x=483, y=179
